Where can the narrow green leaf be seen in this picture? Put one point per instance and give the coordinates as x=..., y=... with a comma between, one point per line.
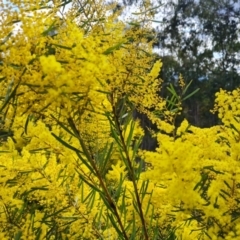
x=85, y=162
x=65, y=143
x=51, y=28
x=134, y=230
x=172, y=103
x=143, y=80
x=130, y=135
x=40, y=188
x=99, y=215
x=60, y=172
x=224, y=197
x=225, y=192
x=137, y=24
x=148, y=10
x=85, y=151
x=92, y=200
x=112, y=49
x=227, y=185
x=62, y=125
x=197, y=185
x=89, y=184
x=101, y=91
x=236, y=119
x=73, y=127
x=109, y=205
x=18, y=235
x=13, y=93
x=149, y=203
x=156, y=21
x=119, y=187
x=233, y=127
x=38, y=234
x=186, y=88
x=64, y=3
x=89, y=196
x=152, y=218
x=38, y=150
x=120, y=234
x=61, y=46
x=9, y=97
x=106, y=158
x=55, y=213
x=13, y=22
x=26, y=124
x=63, y=61
x=15, y=66
x=191, y=94
x=135, y=205
x=115, y=135
x=172, y=90
x=122, y=208
x=6, y=39
x=206, y=233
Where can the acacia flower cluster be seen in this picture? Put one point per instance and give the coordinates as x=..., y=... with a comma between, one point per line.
x=71, y=165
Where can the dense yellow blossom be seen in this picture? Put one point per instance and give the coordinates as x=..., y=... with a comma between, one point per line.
x=71, y=167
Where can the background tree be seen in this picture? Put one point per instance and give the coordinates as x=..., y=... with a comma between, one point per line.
x=200, y=40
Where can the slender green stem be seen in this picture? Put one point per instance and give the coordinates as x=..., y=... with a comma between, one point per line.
x=108, y=197
x=131, y=169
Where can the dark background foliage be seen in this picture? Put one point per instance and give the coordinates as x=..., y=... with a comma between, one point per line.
x=201, y=40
